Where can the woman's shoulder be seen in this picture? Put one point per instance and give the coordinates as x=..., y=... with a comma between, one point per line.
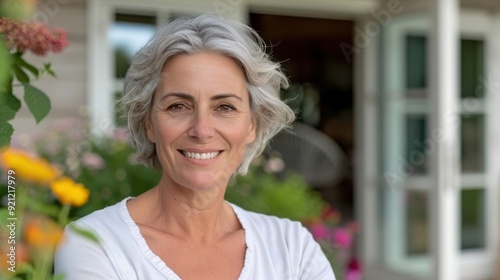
x=270, y=225
x=106, y=222
x=283, y=246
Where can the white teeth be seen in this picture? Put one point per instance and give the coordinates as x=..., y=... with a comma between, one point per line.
x=201, y=156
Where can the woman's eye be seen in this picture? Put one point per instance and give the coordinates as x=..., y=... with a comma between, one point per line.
x=226, y=108
x=177, y=107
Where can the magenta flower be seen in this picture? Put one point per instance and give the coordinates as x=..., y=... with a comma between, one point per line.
x=353, y=271
x=342, y=238
x=319, y=231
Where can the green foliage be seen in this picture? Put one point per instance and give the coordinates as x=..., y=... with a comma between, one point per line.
x=6, y=131
x=37, y=101
x=4, y=66
x=120, y=177
x=13, y=65
x=288, y=197
x=102, y=163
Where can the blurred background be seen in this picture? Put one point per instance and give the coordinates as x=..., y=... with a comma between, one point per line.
x=398, y=119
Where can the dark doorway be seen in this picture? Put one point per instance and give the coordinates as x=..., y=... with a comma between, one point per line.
x=309, y=51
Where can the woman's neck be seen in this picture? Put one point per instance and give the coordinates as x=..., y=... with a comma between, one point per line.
x=196, y=215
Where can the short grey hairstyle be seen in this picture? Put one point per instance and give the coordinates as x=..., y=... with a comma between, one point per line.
x=214, y=34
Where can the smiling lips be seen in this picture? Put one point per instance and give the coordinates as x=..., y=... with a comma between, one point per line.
x=202, y=156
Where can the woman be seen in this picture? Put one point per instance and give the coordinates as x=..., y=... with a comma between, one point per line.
x=202, y=100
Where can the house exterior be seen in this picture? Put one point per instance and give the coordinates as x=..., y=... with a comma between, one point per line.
x=426, y=89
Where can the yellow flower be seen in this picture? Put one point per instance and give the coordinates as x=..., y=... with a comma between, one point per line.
x=28, y=167
x=68, y=191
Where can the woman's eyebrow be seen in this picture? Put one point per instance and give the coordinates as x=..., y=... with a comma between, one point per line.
x=226, y=95
x=191, y=98
x=177, y=94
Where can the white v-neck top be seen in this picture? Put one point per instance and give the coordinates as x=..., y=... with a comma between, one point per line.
x=277, y=249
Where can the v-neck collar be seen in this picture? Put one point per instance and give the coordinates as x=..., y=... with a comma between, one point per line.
x=162, y=267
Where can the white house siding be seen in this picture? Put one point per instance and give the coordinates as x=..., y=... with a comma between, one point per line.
x=68, y=93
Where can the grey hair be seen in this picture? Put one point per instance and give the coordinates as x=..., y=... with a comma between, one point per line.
x=206, y=33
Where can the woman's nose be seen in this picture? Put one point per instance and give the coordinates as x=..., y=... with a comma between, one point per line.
x=201, y=126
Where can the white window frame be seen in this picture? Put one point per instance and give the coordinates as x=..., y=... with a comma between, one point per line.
x=472, y=264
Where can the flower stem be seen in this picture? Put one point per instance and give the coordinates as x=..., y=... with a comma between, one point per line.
x=22, y=196
x=64, y=214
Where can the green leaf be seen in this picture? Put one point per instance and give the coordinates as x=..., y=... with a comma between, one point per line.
x=20, y=74
x=47, y=68
x=24, y=268
x=4, y=214
x=9, y=105
x=59, y=277
x=28, y=66
x=84, y=233
x=37, y=101
x=6, y=131
x=4, y=67
x=41, y=207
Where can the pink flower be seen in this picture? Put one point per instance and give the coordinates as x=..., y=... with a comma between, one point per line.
x=319, y=231
x=353, y=271
x=32, y=36
x=342, y=238
x=119, y=135
x=93, y=161
x=274, y=165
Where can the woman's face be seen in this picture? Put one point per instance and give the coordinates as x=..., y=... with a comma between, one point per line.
x=201, y=120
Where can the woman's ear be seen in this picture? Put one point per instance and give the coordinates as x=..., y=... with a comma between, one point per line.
x=150, y=131
x=252, y=132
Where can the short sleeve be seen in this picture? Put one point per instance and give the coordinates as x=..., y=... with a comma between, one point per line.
x=80, y=258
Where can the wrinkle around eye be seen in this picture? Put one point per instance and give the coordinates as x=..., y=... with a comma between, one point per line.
x=226, y=108
x=177, y=107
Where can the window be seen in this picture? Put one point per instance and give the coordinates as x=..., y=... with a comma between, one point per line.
x=406, y=144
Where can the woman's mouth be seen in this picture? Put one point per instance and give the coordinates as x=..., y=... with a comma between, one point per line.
x=201, y=156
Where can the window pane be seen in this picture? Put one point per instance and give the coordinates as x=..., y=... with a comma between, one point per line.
x=417, y=223
x=472, y=68
x=416, y=158
x=473, y=228
x=416, y=62
x=472, y=147
x=128, y=33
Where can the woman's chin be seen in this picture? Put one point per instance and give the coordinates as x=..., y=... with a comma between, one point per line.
x=203, y=181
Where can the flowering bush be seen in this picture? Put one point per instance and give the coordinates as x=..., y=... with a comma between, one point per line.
x=16, y=38
x=38, y=202
x=336, y=237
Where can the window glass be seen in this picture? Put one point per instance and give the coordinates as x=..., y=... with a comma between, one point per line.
x=416, y=63
x=416, y=135
x=472, y=143
x=128, y=34
x=417, y=223
x=472, y=68
x=472, y=217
